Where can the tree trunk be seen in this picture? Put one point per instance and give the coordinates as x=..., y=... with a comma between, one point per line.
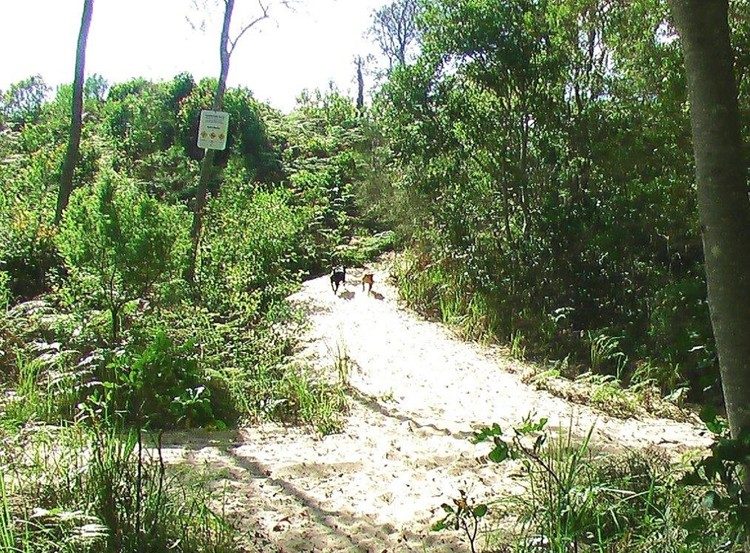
x=207, y=166
x=114, y=311
x=74, y=139
x=524, y=168
x=360, y=85
x=722, y=192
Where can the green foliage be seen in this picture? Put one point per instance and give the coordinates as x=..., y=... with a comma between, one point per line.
x=579, y=499
x=325, y=162
x=22, y=102
x=117, y=340
x=255, y=248
x=175, y=366
x=435, y=289
x=362, y=249
x=159, y=384
x=542, y=163
x=606, y=350
x=722, y=477
x=4, y=291
x=27, y=250
x=298, y=398
x=140, y=120
x=119, y=244
x=607, y=394
x=462, y=515
x=32, y=400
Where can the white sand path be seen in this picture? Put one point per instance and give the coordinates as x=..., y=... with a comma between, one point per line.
x=418, y=393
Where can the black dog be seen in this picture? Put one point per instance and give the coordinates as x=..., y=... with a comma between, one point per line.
x=337, y=277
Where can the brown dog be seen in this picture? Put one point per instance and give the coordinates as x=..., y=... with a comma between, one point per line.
x=367, y=278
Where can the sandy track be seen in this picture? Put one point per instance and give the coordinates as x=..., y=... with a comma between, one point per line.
x=417, y=394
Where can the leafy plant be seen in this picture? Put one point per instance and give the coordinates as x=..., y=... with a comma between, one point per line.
x=254, y=251
x=606, y=349
x=119, y=244
x=160, y=385
x=722, y=477
x=578, y=499
x=462, y=515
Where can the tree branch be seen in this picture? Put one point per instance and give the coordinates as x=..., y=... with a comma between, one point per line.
x=246, y=28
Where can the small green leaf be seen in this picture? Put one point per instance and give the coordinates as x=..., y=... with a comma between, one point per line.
x=708, y=413
x=714, y=423
x=480, y=510
x=485, y=433
x=711, y=500
x=500, y=453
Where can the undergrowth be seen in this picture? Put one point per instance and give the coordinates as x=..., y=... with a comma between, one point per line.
x=602, y=377
x=580, y=499
x=179, y=367
x=97, y=487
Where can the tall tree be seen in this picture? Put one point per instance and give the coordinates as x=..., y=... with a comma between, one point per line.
x=360, y=63
x=394, y=28
x=723, y=202
x=74, y=139
x=227, y=45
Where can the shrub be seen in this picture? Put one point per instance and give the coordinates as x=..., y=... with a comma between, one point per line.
x=254, y=250
x=580, y=499
x=119, y=244
x=27, y=249
x=159, y=383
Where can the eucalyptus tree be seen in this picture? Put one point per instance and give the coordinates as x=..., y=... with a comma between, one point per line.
x=394, y=28
x=227, y=47
x=74, y=138
x=724, y=206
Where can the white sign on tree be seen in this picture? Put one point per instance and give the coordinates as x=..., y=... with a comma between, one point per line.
x=213, y=130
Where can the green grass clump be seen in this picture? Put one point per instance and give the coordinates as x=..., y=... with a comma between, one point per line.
x=579, y=498
x=436, y=292
x=301, y=399
x=99, y=488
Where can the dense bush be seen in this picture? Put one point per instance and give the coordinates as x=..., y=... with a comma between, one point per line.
x=119, y=244
x=255, y=248
x=121, y=330
x=159, y=382
x=27, y=251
